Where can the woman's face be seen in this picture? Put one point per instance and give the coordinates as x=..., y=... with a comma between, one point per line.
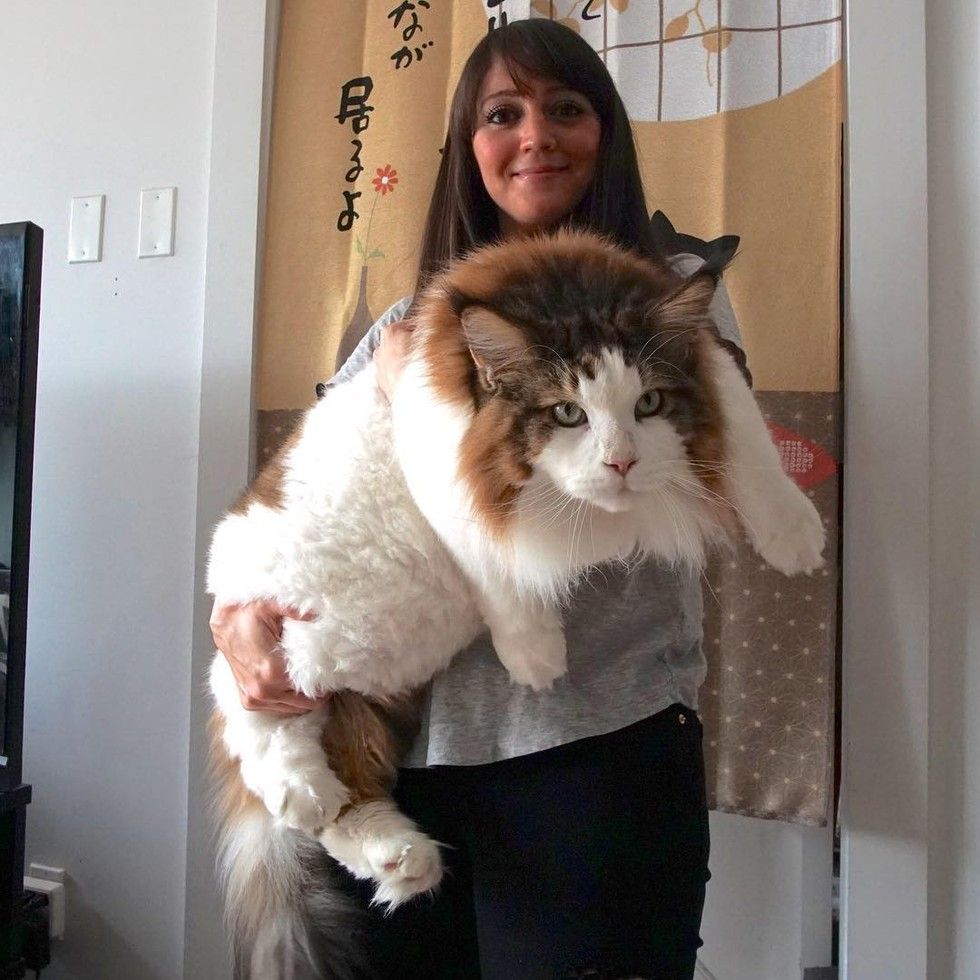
x=536, y=151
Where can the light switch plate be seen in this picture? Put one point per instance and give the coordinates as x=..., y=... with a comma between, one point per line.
x=157, y=221
x=85, y=229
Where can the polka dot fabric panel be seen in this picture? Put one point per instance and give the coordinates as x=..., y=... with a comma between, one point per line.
x=768, y=703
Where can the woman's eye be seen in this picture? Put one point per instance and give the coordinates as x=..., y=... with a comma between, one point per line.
x=648, y=404
x=567, y=110
x=501, y=115
x=568, y=414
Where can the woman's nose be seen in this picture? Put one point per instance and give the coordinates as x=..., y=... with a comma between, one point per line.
x=537, y=131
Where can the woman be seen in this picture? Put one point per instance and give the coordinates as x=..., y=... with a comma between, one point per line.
x=575, y=820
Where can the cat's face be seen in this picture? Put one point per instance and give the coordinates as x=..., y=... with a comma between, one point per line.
x=603, y=422
x=618, y=435
x=583, y=367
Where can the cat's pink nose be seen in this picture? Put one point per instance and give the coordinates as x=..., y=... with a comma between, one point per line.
x=621, y=465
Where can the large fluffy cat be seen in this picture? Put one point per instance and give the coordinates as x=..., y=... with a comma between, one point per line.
x=565, y=403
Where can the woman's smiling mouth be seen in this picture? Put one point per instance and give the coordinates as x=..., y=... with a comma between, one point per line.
x=530, y=172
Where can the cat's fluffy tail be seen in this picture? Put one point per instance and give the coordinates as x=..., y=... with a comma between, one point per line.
x=287, y=917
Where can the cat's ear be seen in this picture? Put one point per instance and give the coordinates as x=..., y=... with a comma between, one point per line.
x=494, y=343
x=687, y=305
x=663, y=233
x=720, y=252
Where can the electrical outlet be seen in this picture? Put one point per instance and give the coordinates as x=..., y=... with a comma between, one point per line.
x=51, y=882
x=56, y=903
x=46, y=872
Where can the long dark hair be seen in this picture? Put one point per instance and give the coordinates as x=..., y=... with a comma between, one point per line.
x=462, y=216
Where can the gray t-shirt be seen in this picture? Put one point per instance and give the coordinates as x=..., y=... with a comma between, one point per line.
x=634, y=644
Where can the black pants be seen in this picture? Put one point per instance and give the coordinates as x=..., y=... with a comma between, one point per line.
x=584, y=861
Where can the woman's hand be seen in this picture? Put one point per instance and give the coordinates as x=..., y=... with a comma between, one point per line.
x=248, y=635
x=391, y=354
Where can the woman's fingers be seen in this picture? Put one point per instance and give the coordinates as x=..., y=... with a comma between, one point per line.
x=392, y=353
x=248, y=635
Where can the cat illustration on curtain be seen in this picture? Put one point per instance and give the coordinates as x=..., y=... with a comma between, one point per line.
x=565, y=403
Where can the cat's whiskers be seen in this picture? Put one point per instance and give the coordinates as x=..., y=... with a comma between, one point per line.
x=562, y=363
x=727, y=466
x=702, y=467
x=541, y=492
x=564, y=370
x=587, y=512
x=545, y=505
x=592, y=529
x=666, y=340
x=651, y=361
x=573, y=536
x=696, y=489
x=714, y=595
x=507, y=507
x=642, y=358
x=555, y=513
x=561, y=513
x=548, y=494
x=683, y=533
x=599, y=570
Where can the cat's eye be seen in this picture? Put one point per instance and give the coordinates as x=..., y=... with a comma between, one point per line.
x=649, y=403
x=568, y=414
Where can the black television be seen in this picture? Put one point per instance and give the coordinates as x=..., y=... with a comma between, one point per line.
x=20, y=291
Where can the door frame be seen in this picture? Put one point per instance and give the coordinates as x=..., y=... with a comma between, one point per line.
x=885, y=677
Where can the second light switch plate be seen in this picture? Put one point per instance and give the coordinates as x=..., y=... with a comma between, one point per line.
x=157, y=221
x=85, y=228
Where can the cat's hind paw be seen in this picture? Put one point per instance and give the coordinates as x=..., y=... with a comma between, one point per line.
x=403, y=865
x=374, y=840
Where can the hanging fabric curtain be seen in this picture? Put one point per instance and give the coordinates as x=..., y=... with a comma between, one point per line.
x=737, y=110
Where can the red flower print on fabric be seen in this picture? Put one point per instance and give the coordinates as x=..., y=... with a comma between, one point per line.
x=386, y=179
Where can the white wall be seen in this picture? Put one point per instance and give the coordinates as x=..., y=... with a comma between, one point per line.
x=768, y=911
x=953, y=36
x=111, y=97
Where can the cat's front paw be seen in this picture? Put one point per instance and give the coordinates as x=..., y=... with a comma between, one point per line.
x=536, y=660
x=307, y=801
x=790, y=535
